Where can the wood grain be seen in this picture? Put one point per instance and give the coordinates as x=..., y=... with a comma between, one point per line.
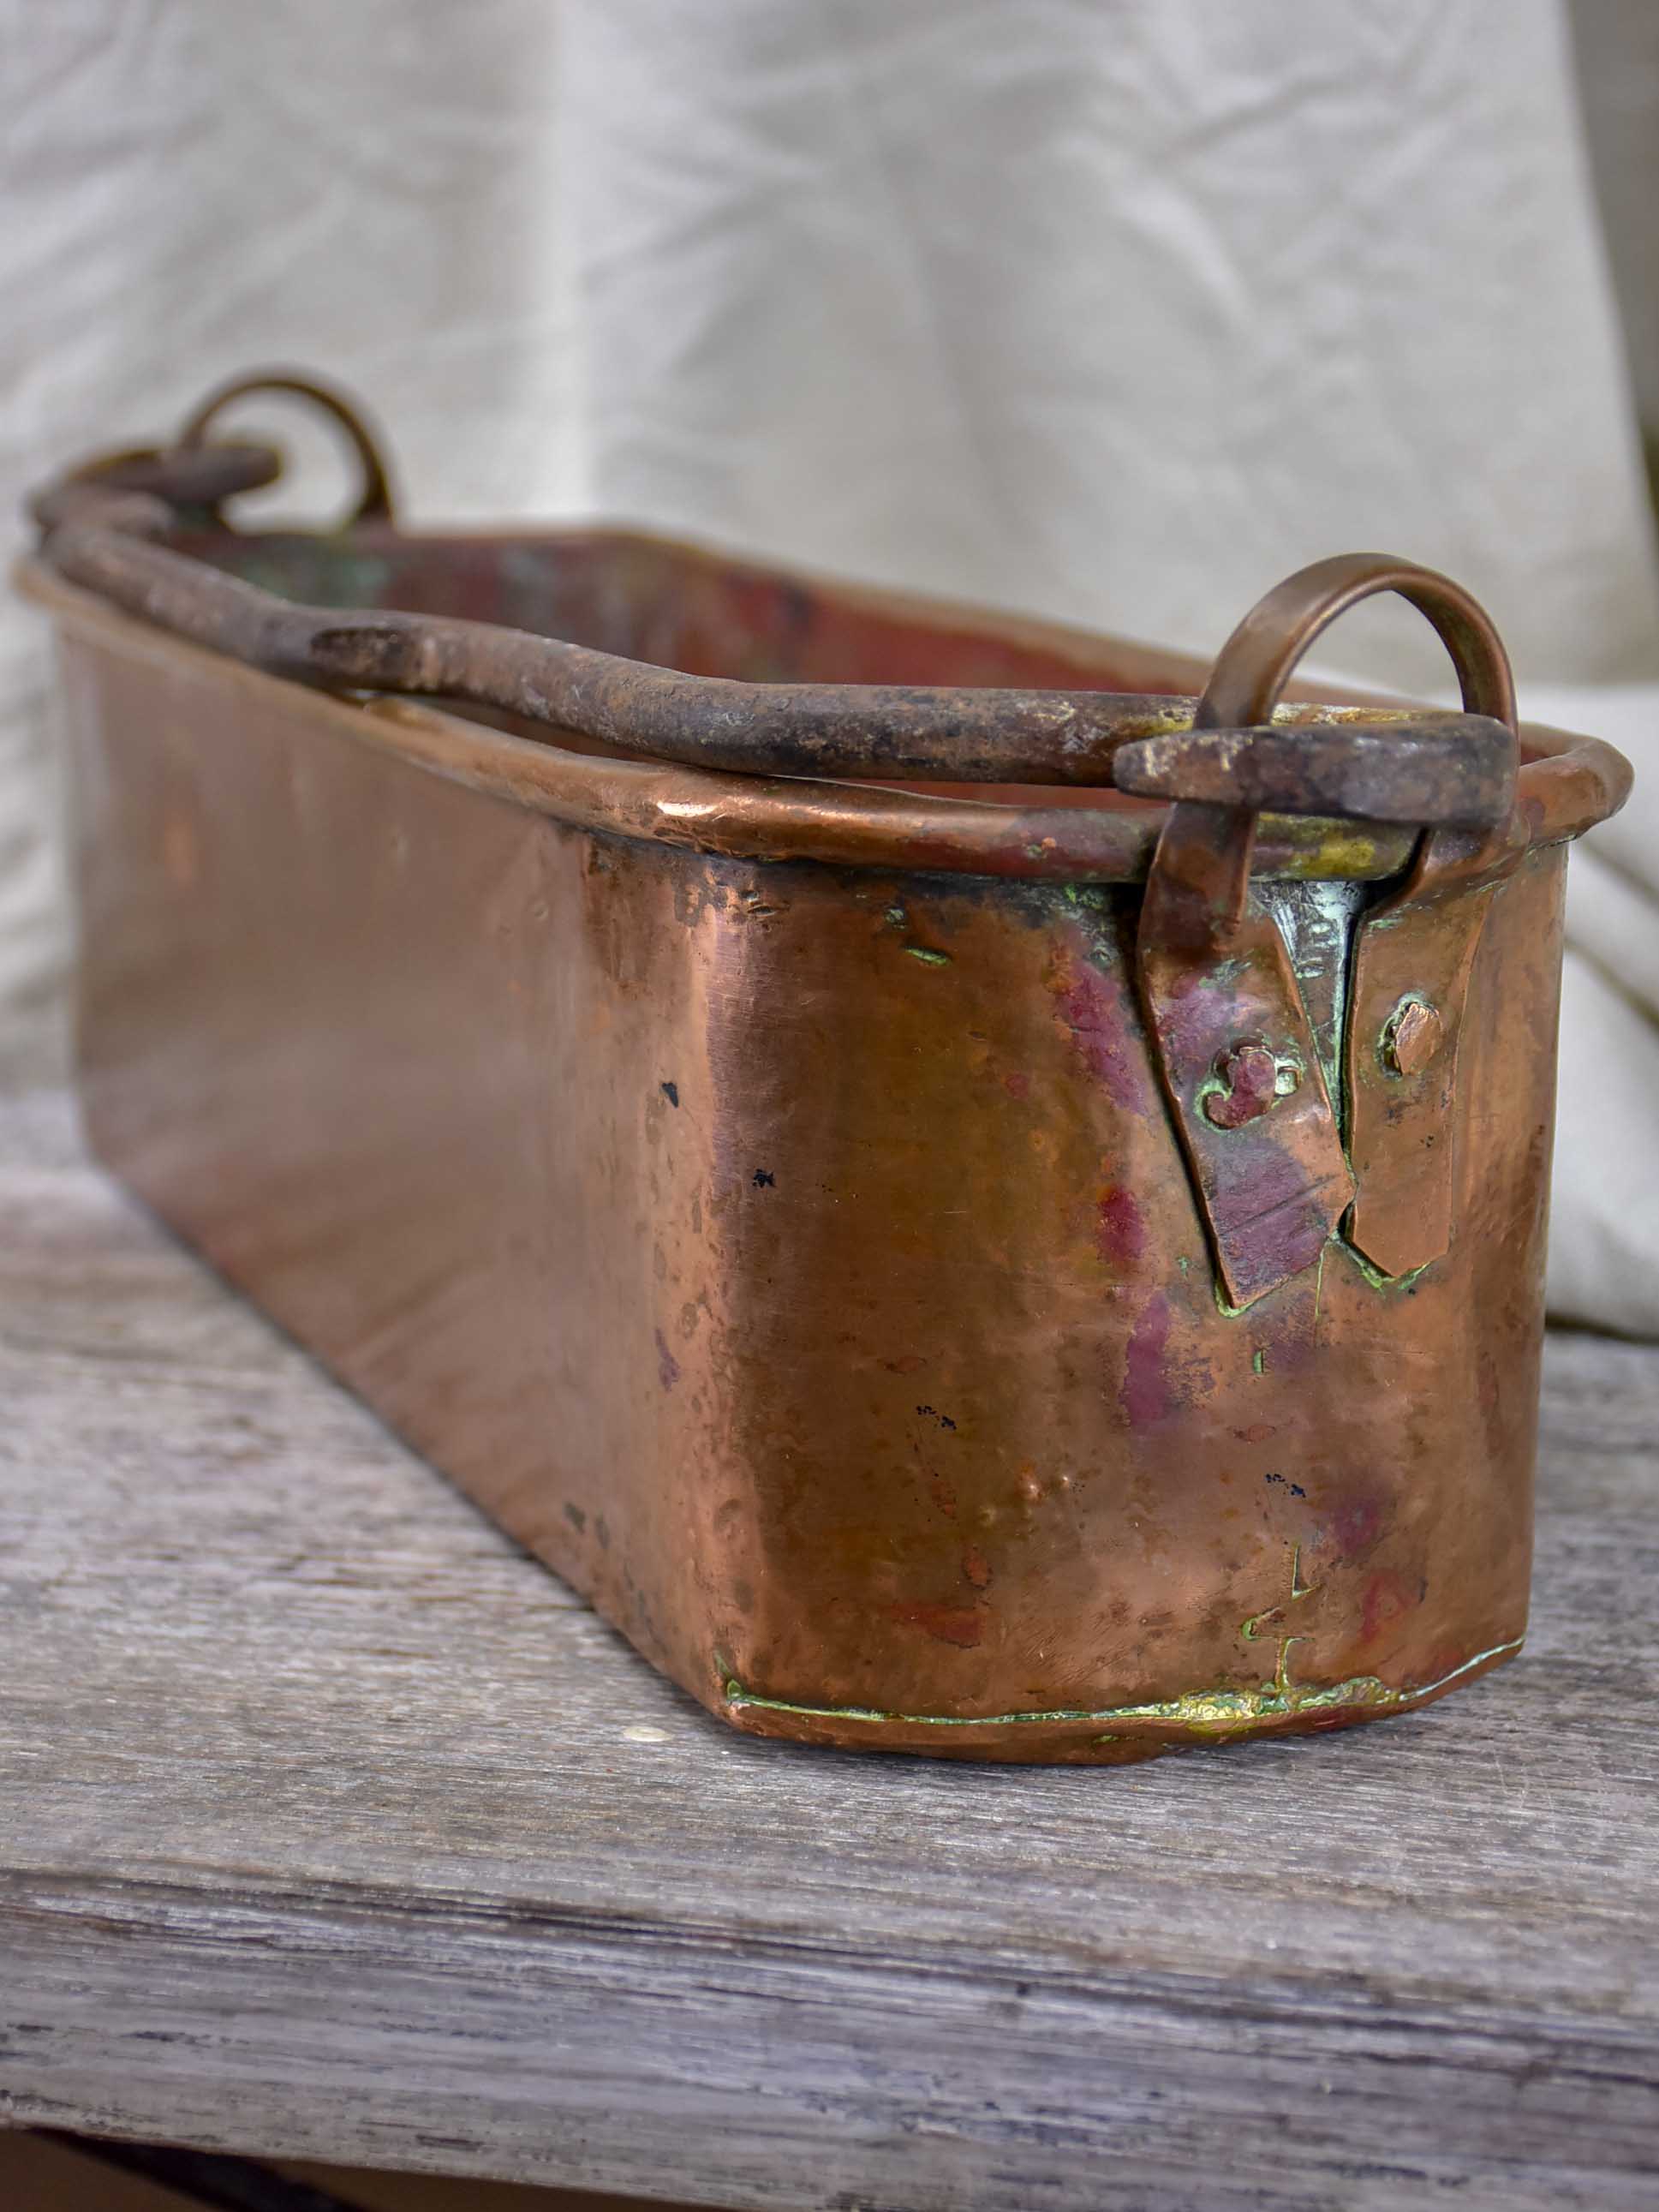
x=332, y=1828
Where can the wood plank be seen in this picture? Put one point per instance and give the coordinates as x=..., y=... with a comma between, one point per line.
x=331, y=1827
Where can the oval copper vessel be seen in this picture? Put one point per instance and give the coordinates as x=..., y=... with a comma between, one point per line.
x=974, y=1201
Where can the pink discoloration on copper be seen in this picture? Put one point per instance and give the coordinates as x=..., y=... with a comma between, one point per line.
x=1287, y=1218
x=1199, y=1005
x=1119, y=1231
x=1145, y=1396
x=1356, y=1526
x=1100, y=1016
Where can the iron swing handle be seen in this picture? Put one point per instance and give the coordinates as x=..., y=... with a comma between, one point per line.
x=1400, y=765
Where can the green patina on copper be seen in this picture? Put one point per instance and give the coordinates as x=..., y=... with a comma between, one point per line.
x=1206, y=1712
x=1374, y=1276
x=1253, y=1628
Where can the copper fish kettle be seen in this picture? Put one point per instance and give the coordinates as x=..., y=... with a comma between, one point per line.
x=973, y=1201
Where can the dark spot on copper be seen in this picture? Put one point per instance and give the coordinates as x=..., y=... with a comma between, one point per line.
x=671, y=1091
x=764, y=1179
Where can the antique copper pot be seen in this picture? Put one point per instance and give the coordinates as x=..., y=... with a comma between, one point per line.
x=973, y=1203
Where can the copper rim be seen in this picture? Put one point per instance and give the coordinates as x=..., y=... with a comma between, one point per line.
x=1568, y=784
x=767, y=769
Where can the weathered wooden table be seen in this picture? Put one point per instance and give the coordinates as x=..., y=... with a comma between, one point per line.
x=332, y=1827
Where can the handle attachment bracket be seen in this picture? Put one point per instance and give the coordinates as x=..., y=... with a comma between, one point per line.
x=1271, y=1175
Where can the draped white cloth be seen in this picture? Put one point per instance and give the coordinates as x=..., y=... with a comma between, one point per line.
x=1113, y=311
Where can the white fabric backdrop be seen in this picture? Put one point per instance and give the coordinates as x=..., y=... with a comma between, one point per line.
x=1113, y=311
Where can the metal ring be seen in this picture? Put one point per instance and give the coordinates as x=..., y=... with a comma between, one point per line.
x=374, y=503
x=1198, y=893
x=1257, y=660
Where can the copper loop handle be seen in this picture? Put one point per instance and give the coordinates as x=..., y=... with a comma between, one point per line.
x=374, y=503
x=1202, y=869
x=1258, y=659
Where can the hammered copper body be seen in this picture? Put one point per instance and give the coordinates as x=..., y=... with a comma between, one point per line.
x=779, y=1202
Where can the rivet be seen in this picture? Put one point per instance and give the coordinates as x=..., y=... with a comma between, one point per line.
x=1411, y=1037
x=1249, y=1078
